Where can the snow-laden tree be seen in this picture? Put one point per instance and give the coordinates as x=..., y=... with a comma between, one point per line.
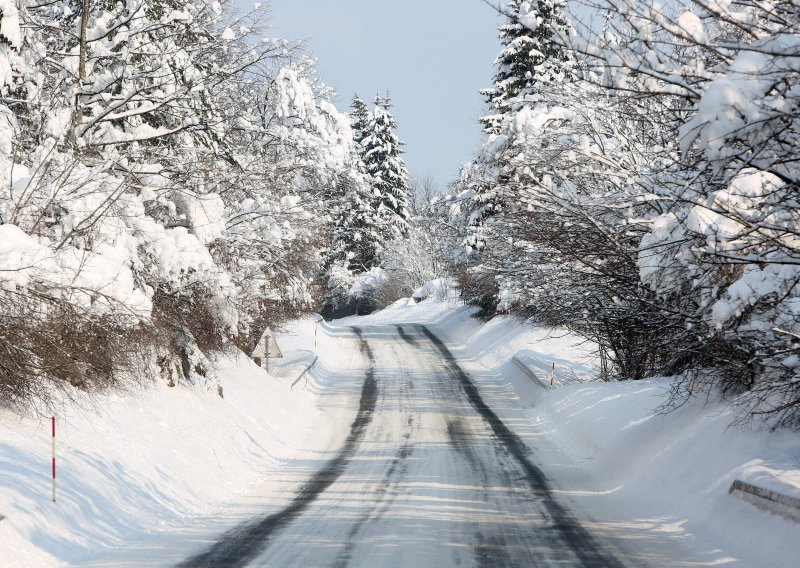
x=356, y=237
x=370, y=213
x=359, y=118
x=161, y=173
x=381, y=152
x=295, y=157
x=372, y=204
x=558, y=215
x=531, y=56
x=566, y=252
x=532, y=59
x=125, y=91
x=723, y=253
x=650, y=202
x=561, y=244
x=354, y=246
x=426, y=253
x=356, y=225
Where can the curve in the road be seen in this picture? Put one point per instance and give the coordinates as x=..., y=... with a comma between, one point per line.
x=580, y=541
x=244, y=543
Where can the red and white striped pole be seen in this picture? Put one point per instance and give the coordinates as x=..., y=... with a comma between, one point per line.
x=54, y=459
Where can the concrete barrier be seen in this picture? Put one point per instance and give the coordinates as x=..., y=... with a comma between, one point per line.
x=767, y=500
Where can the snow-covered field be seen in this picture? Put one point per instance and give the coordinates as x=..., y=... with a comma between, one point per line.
x=144, y=465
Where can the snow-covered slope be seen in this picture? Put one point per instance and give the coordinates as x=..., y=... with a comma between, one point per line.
x=670, y=473
x=145, y=462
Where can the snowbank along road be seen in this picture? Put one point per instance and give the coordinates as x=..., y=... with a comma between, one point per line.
x=428, y=475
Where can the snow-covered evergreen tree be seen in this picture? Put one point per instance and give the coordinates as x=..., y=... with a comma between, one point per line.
x=355, y=235
x=532, y=60
x=359, y=118
x=531, y=56
x=374, y=204
x=371, y=210
x=381, y=152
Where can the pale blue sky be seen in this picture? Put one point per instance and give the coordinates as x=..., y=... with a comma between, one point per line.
x=432, y=55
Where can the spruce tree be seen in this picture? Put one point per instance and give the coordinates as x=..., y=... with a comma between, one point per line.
x=356, y=240
x=381, y=152
x=357, y=235
x=531, y=57
x=359, y=118
x=532, y=61
x=529, y=69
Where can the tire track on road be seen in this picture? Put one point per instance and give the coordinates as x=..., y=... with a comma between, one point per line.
x=241, y=545
x=575, y=536
x=386, y=491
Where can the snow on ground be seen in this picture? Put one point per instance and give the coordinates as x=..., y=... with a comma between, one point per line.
x=138, y=467
x=623, y=461
x=136, y=464
x=670, y=473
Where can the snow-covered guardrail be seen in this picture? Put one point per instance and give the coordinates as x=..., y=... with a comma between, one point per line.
x=528, y=371
x=331, y=329
x=767, y=500
x=305, y=371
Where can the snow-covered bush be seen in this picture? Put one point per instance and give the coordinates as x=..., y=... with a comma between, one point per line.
x=350, y=293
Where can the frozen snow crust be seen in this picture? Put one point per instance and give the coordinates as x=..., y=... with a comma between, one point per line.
x=140, y=471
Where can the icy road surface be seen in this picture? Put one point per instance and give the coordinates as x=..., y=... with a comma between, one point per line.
x=428, y=475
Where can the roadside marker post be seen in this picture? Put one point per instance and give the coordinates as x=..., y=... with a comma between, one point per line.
x=54, y=458
x=553, y=376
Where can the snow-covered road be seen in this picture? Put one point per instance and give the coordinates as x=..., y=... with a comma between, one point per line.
x=427, y=475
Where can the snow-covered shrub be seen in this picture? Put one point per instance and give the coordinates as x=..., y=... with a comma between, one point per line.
x=350, y=293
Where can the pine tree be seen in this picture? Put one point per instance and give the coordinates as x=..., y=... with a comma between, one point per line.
x=531, y=56
x=381, y=152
